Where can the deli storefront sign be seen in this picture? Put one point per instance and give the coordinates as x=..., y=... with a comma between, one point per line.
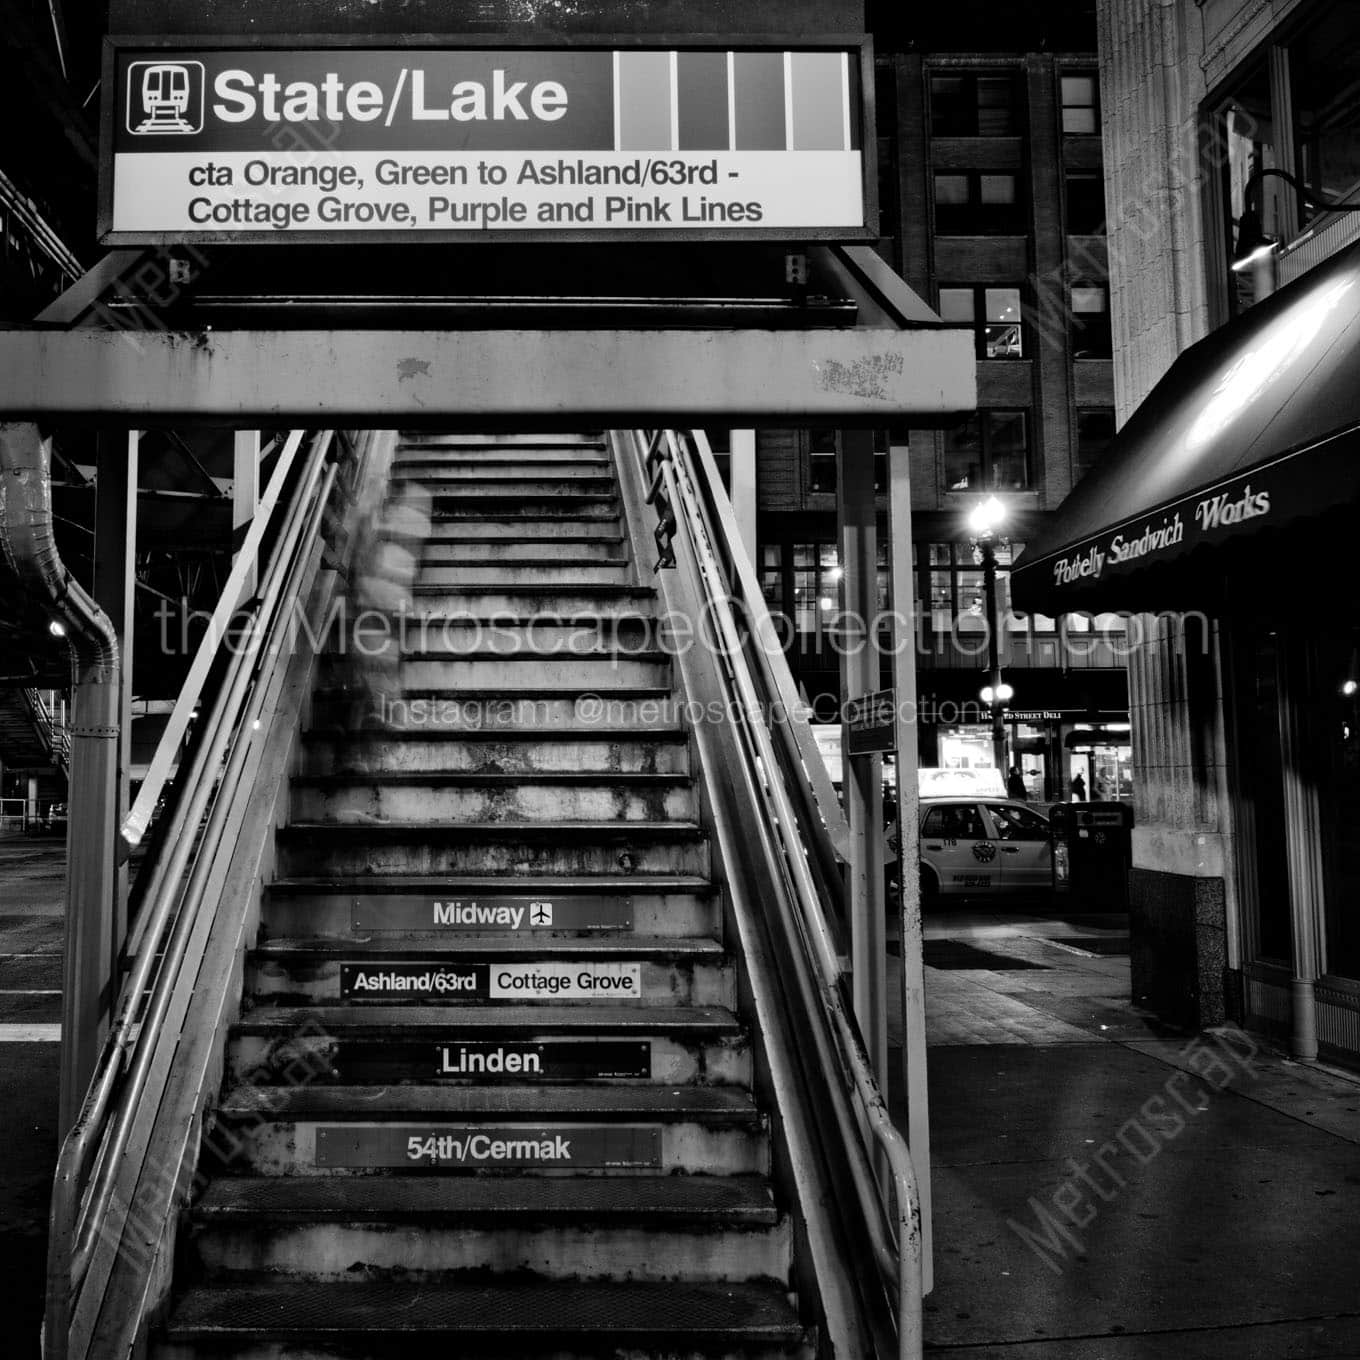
x=407, y=143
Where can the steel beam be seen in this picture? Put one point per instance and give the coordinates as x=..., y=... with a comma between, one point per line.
x=476, y=379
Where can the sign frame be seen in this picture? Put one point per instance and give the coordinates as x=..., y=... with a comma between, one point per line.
x=859, y=48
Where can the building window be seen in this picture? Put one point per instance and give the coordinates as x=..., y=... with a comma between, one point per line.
x=978, y=203
x=1095, y=429
x=772, y=576
x=969, y=104
x=816, y=587
x=993, y=313
x=1085, y=205
x=1080, y=105
x=1091, y=338
x=1326, y=113
x=824, y=449
x=988, y=452
x=957, y=590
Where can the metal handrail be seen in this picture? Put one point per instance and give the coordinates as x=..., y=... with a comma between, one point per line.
x=54, y=735
x=863, y=1119
x=89, y=1159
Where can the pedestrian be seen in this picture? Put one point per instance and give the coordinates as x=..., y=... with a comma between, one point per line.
x=1078, y=788
x=1015, y=785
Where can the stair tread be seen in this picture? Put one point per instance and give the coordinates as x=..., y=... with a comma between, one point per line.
x=537, y=588
x=350, y=1199
x=614, y=1312
x=456, y=832
x=537, y=1104
x=477, y=778
x=526, y=886
x=502, y=736
x=488, y=946
x=415, y=1021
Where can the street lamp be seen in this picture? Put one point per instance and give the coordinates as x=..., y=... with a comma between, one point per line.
x=985, y=522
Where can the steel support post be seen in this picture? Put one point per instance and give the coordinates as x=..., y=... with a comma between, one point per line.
x=904, y=610
x=27, y=540
x=860, y=674
x=115, y=586
x=742, y=481
x=245, y=497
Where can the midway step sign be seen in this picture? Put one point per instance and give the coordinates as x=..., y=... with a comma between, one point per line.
x=232, y=141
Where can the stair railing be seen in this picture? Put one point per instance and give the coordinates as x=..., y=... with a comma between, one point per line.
x=228, y=678
x=52, y=733
x=782, y=770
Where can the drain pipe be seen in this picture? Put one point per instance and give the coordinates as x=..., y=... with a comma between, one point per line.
x=91, y=952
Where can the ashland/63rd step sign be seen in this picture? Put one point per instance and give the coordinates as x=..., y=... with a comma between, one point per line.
x=223, y=142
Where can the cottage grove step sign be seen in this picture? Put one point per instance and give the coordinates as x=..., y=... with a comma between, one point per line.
x=233, y=142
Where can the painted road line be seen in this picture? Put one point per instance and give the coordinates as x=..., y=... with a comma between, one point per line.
x=30, y=1034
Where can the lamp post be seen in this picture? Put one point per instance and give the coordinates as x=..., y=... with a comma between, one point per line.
x=985, y=522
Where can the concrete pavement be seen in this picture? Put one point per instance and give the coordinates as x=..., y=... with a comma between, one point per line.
x=1106, y=1189
x=32, y=888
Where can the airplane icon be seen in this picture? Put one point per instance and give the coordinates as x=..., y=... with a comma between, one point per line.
x=541, y=914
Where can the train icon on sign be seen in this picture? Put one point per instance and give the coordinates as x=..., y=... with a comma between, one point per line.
x=165, y=98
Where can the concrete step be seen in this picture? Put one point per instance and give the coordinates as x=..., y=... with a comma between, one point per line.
x=513, y=849
x=504, y=463
x=516, y=674
x=617, y=751
x=486, y=503
x=439, y=710
x=272, y=1319
x=520, y=478
x=522, y=529
x=551, y=440
x=692, y=1228
x=503, y=1049
x=516, y=599
x=271, y=1143
x=468, y=633
x=675, y=908
x=573, y=549
x=461, y=978
x=476, y=798
x=524, y=575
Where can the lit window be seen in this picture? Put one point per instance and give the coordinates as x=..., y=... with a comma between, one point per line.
x=1080, y=106
x=1091, y=338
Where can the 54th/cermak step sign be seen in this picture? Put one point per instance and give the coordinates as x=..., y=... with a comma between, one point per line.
x=230, y=143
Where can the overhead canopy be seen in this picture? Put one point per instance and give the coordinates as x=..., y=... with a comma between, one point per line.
x=1253, y=430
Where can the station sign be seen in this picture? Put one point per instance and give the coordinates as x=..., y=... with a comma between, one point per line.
x=438, y=982
x=383, y=913
x=494, y=1060
x=871, y=724
x=237, y=142
x=476, y=1147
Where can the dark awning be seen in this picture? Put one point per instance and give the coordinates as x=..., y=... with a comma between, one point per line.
x=1255, y=428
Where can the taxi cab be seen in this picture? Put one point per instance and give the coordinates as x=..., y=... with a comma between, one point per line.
x=983, y=846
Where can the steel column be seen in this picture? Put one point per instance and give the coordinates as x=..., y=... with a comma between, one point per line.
x=860, y=674
x=117, y=459
x=903, y=594
x=742, y=487
x=245, y=497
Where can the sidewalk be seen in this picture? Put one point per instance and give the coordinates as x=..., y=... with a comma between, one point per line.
x=1108, y=1189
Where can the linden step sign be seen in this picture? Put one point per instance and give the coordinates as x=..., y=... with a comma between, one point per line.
x=232, y=143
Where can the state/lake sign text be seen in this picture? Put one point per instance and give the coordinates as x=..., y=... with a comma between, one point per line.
x=221, y=143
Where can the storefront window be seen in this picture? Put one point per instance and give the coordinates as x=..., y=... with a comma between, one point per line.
x=1337, y=740
x=967, y=748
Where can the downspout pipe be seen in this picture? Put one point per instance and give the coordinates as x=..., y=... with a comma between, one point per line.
x=91, y=952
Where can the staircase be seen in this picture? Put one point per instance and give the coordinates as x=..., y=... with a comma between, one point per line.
x=490, y=1093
